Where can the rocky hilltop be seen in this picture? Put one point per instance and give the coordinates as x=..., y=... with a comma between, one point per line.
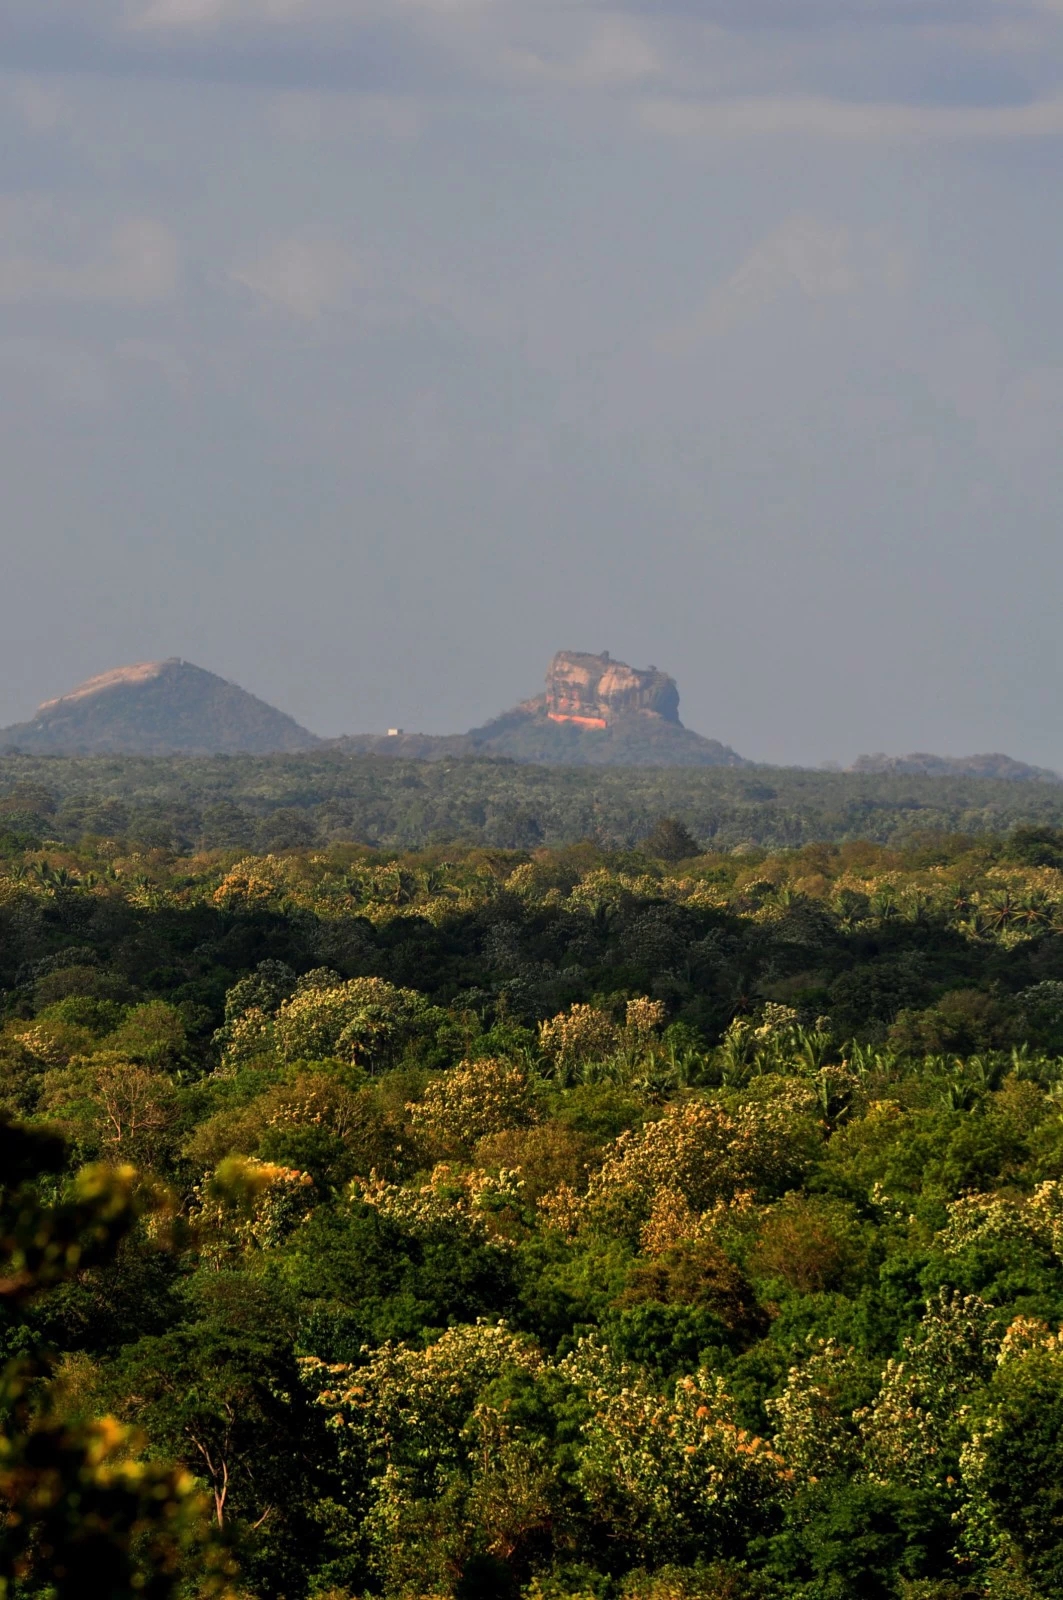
x=594, y=711
x=594, y=691
x=157, y=708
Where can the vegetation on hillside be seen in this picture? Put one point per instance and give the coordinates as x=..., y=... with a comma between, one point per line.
x=154, y=708
x=563, y=1224
x=323, y=797
x=523, y=735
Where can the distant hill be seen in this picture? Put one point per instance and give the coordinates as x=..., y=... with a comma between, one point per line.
x=594, y=712
x=157, y=708
x=929, y=766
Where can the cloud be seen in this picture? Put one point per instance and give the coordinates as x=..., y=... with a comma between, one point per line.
x=820, y=117
x=55, y=371
x=804, y=258
x=301, y=278
x=215, y=13
x=856, y=72
x=321, y=41
x=616, y=52
x=343, y=15
x=40, y=107
x=308, y=280
x=138, y=264
x=309, y=116
x=756, y=15
x=157, y=356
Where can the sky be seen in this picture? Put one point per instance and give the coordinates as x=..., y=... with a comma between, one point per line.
x=367, y=352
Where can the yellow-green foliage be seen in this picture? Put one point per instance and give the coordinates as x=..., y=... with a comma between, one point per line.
x=544, y=1224
x=470, y=1101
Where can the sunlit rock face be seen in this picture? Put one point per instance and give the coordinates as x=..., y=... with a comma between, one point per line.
x=592, y=691
x=594, y=712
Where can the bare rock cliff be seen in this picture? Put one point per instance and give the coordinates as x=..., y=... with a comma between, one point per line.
x=595, y=712
x=593, y=691
x=600, y=712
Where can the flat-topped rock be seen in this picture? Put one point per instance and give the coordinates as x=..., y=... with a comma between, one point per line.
x=594, y=690
x=594, y=712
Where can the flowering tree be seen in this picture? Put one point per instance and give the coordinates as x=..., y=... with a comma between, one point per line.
x=670, y=1475
x=433, y=1472
x=247, y=1205
x=580, y=1034
x=471, y=1202
x=915, y=1430
x=363, y=1020
x=703, y=1152
x=1012, y=1463
x=816, y=1432
x=472, y=1100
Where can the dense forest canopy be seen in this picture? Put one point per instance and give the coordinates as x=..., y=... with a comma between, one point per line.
x=320, y=797
x=639, y=1225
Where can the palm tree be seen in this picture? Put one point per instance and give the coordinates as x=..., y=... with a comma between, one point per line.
x=812, y=1047
x=884, y=902
x=1000, y=909
x=960, y=900
x=914, y=906
x=1034, y=909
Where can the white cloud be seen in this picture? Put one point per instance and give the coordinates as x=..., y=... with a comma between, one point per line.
x=616, y=52
x=162, y=15
x=59, y=372
x=310, y=116
x=308, y=279
x=785, y=68
x=158, y=356
x=811, y=259
x=138, y=264
x=41, y=107
x=817, y=116
x=302, y=278
x=199, y=14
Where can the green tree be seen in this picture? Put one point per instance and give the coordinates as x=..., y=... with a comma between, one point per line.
x=86, y=1515
x=1014, y=1465
x=223, y=1399
x=670, y=840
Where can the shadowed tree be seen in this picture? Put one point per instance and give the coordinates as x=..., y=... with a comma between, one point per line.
x=85, y=1517
x=670, y=840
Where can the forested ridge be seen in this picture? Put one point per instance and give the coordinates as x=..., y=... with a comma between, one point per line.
x=636, y=1224
x=320, y=797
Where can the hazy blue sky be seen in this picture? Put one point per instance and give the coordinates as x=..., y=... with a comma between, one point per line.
x=368, y=351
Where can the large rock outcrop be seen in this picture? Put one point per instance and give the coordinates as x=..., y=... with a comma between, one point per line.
x=157, y=708
x=594, y=712
x=593, y=691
